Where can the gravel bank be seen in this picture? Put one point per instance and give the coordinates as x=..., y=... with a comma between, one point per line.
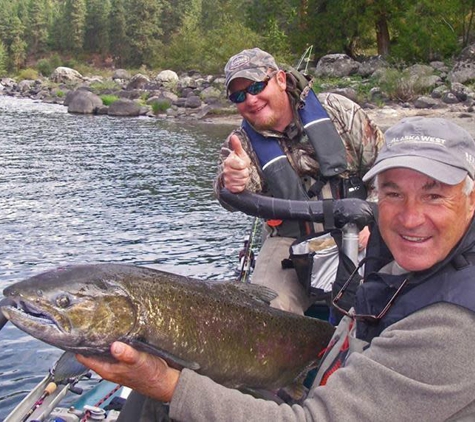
x=388, y=115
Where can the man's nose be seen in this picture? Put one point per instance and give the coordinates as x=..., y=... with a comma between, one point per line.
x=250, y=99
x=412, y=214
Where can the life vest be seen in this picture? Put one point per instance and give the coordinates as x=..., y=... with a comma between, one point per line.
x=324, y=138
x=450, y=281
x=281, y=178
x=454, y=283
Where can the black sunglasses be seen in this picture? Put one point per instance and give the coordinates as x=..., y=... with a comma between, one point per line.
x=363, y=317
x=253, y=89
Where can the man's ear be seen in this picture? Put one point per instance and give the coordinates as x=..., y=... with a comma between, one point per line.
x=281, y=79
x=471, y=197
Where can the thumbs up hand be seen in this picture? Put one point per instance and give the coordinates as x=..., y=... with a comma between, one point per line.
x=236, y=167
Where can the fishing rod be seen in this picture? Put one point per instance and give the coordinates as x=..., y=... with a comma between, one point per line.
x=43, y=402
x=247, y=256
x=305, y=58
x=49, y=389
x=61, y=378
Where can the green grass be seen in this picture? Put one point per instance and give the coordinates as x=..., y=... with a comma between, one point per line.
x=400, y=85
x=27, y=74
x=160, y=106
x=108, y=99
x=107, y=85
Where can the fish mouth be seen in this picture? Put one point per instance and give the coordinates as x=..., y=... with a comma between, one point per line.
x=25, y=314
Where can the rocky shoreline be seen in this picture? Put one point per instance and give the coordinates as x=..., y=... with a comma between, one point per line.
x=389, y=115
x=202, y=98
x=385, y=116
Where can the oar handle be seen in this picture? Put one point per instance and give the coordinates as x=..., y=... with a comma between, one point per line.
x=341, y=211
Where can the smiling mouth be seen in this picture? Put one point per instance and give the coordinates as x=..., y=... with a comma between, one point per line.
x=257, y=110
x=415, y=239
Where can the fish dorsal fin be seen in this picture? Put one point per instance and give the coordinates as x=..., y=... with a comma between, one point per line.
x=257, y=292
x=172, y=360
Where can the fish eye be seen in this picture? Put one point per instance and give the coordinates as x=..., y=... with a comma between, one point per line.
x=63, y=301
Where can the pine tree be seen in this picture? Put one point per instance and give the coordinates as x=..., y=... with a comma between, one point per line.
x=37, y=30
x=144, y=31
x=173, y=14
x=6, y=13
x=97, y=26
x=17, y=47
x=3, y=60
x=118, y=32
x=74, y=20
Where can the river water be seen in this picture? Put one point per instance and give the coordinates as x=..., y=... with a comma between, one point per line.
x=89, y=189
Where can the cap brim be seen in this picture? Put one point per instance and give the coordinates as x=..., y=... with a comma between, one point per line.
x=441, y=172
x=255, y=75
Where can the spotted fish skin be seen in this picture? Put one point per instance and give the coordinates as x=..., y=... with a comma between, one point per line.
x=225, y=330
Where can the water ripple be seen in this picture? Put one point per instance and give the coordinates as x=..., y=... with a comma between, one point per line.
x=84, y=189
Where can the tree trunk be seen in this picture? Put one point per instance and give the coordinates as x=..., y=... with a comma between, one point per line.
x=382, y=36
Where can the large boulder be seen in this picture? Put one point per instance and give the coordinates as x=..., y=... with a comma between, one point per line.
x=121, y=74
x=462, y=72
x=167, y=78
x=83, y=101
x=464, y=69
x=193, y=101
x=423, y=76
x=426, y=102
x=25, y=85
x=65, y=74
x=138, y=81
x=336, y=65
x=371, y=65
x=211, y=94
x=124, y=107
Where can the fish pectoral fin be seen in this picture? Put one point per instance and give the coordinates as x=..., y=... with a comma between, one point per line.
x=295, y=392
x=172, y=360
x=67, y=367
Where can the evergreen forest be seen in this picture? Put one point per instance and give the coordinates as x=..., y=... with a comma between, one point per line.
x=202, y=34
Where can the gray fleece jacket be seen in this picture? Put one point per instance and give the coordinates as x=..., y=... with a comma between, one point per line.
x=419, y=369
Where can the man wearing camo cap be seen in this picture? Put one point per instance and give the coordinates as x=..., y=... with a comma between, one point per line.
x=275, y=134
x=251, y=64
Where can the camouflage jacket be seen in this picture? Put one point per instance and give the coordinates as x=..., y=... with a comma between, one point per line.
x=361, y=136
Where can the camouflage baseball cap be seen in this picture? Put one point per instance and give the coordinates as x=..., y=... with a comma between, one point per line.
x=250, y=64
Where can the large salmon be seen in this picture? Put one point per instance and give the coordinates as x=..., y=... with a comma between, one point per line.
x=224, y=330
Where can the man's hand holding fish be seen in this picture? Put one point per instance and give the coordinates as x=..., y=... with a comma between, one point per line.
x=129, y=368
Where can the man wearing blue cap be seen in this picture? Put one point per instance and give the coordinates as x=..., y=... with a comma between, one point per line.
x=405, y=351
